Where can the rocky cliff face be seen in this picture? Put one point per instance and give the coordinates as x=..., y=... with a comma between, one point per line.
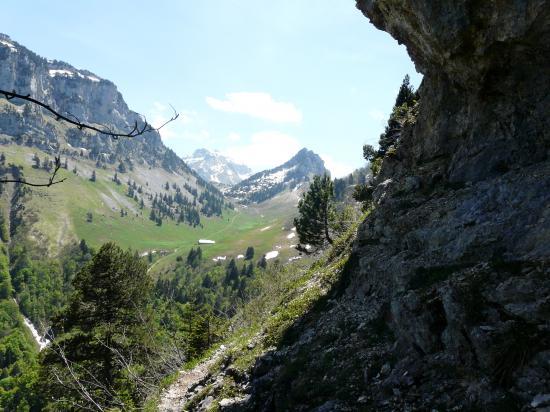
x=62, y=86
x=445, y=303
x=84, y=95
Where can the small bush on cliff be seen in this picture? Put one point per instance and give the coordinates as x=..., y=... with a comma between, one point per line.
x=403, y=112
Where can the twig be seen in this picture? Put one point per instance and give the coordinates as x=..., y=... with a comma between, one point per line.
x=72, y=119
x=136, y=129
x=51, y=181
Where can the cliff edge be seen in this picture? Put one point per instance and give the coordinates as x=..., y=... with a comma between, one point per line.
x=444, y=303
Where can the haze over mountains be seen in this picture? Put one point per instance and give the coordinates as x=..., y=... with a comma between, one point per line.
x=217, y=168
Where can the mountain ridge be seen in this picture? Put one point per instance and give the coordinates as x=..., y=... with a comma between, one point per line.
x=289, y=176
x=85, y=96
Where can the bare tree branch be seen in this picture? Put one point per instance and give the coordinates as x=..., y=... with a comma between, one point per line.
x=51, y=180
x=72, y=119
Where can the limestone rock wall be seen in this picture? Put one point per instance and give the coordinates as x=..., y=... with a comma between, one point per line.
x=447, y=303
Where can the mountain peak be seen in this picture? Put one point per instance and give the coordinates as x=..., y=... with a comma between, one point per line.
x=215, y=167
x=289, y=176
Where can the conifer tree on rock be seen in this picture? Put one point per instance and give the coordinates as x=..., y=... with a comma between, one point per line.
x=315, y=210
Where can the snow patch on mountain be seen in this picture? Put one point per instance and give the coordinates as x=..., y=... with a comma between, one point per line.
x=289, y=176
x=68, y=73
x=12, y=48
x=217, y=168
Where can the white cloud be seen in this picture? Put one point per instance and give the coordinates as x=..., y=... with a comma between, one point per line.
x=234, y=137
x=337, y=169
x=265, y=150
x=200, y=136
x=259, y=105
x=160, y=113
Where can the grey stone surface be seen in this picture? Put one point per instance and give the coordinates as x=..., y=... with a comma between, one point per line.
x=447, y=301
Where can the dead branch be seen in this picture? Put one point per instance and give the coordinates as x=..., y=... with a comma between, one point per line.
x=51, y=180
x=72, y=119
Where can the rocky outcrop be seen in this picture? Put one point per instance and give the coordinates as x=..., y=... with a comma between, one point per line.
x=446, y=300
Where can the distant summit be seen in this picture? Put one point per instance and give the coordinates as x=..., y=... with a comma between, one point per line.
x=288, y=176
x=217, y=168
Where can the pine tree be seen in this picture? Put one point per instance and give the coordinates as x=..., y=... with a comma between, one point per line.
x=194, y=257
x=4, y=233
x=249, y=254
x=403, y=103
x=406, y=93
x=315, y=209
x=107, y=317
x=262, y=263
x=232, y=274
x=84, y=247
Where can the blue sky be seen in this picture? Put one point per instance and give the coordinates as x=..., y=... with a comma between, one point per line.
x=255, y=79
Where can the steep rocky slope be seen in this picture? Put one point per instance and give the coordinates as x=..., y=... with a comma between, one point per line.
x=444, y=303
x=290, y=175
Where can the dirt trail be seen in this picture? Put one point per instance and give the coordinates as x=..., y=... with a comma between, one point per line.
x=175, y=397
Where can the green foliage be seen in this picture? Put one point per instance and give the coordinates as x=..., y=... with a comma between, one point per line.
x=342, y=219
x=406, y=93
x=194, y=257
x=404, y=111
x=359, y=176
x=363, y=193
x=232, y=275
x=376, y=165
x=104, y=331
x=6, y=289
x=122, y=167
x=4, y=233
x=17, y=351
x=249, y=254
x=404, y=103
x=369, y=153
x=41, y=285
x=262, y=263
x=315, y=207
